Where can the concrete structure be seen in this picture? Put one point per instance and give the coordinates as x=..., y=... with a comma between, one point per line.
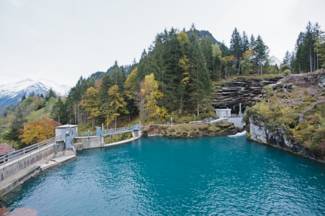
x=67, y=133
x=17, y=170
x=238, y=122
x=89, y=142
x=223, y=113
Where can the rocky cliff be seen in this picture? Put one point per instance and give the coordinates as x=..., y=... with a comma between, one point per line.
x=243, y=90
x=191, y=130
x=291, y=115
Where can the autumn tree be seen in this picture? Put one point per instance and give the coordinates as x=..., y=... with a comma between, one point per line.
x=117, y=104
x=91, y=104
x=38, y=131
x=247, y=64
x=150, y=94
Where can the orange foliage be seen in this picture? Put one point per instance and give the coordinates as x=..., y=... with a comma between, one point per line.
x=38, y=131
x=97, y=84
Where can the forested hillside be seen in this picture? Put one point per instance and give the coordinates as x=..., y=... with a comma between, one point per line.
x=174, y=79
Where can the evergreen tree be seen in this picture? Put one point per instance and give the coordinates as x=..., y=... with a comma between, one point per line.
x=252, y=42
x=245, y=42
x=58, y=111
x=206, y=47
x=173, y=74
x=260, y=50
x=200, y=86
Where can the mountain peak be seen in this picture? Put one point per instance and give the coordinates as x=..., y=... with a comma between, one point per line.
x=13, y=92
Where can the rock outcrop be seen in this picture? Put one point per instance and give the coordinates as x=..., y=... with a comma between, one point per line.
x=256, y=131
x=191, y=130
x=244, y=90
x=291, y=115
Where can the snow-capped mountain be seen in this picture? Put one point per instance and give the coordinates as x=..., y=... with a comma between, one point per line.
x=13, y=92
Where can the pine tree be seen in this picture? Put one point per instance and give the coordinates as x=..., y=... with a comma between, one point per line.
x=245, y=42
x=200, y=86
x=173, y=74
x=252, y=42
x=260, y=52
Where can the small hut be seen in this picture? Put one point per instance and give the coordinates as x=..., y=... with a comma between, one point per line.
x=68, y=133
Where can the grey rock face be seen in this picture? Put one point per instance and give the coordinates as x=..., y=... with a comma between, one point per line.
x=321, y=80
x=245, y=91
x=260, y=134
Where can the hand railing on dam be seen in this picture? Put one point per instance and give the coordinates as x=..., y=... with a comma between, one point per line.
x=108, y=132
x=84, y=134
x=21, y=152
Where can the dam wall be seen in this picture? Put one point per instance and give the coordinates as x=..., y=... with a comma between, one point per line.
x=15, y=172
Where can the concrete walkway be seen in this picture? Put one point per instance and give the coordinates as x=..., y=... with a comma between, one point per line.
x=121, y=142
x=55, y=161
x=218, y=120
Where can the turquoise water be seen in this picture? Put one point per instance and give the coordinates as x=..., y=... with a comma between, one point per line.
x=163, y=176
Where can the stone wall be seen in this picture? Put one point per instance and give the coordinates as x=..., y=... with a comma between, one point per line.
x=244, y=90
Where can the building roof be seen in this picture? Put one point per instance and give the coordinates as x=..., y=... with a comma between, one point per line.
x=67, y=126
x=5, y=149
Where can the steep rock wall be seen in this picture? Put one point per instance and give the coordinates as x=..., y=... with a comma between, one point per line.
x=256, y=131
x=244, y=90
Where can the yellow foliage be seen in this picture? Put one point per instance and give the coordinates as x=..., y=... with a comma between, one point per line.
x=129, y=84
x=150, y=93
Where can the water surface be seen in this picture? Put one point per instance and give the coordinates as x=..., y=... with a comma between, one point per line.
x=163, y=176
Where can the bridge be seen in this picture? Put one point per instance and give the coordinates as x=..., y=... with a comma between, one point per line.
x=101, y=132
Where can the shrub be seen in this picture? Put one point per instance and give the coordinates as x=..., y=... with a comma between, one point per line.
x=287, y=72
x=309, y=99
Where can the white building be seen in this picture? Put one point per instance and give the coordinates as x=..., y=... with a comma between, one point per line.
x=223, y=113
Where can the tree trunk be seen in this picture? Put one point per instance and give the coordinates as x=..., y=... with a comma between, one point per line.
x=78, y=115
x=197, y=86
x=181, y=104
x=75, y=113
x=115, y=121
x=314, y=61
x=129, y=118
x=299, y=68
x=317, y=60
x=213, y=67
x=198, y=109
x=59, y=118
x=310, y=60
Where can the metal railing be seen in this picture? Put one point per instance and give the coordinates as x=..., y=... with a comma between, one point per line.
x=89, y=133
x=120, y=130
x=21, y=152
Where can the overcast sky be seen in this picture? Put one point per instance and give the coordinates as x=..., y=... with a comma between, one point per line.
x=61, y=40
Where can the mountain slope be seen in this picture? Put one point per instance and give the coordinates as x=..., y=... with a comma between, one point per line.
x=13, y=92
